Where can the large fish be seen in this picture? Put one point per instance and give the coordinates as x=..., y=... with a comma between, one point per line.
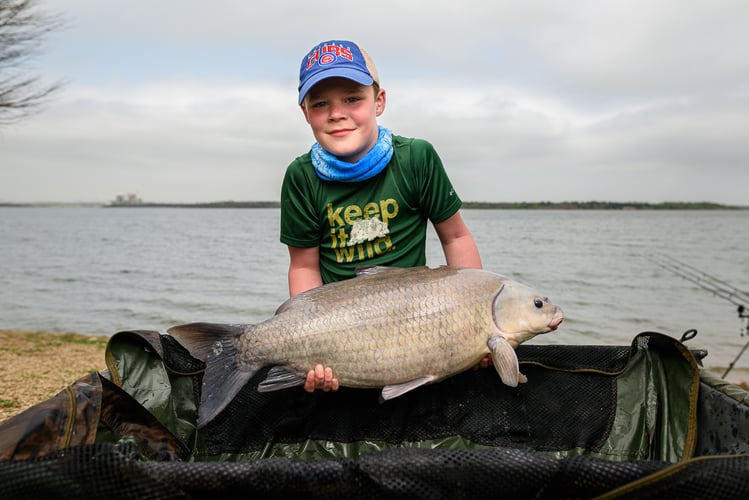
x=396, y=328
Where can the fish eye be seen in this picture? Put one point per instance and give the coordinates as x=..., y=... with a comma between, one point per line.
x=538, y=303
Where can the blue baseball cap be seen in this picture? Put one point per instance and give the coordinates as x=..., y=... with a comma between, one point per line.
x=340, y=58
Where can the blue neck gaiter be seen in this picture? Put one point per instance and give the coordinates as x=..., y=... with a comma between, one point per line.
x=330, y=168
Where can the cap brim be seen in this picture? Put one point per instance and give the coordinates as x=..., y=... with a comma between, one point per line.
x=353, y=74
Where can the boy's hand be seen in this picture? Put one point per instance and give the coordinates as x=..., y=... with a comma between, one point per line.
x=321, y=378
x=485, y=362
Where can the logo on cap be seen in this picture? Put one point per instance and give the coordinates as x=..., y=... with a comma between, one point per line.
x=335, y=58
x=328, y=54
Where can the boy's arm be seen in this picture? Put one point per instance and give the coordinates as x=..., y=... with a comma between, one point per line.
x=457, y=242
x=304, y=269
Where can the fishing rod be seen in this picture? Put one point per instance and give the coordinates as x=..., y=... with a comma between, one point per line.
x=704, y=280
x=716, y=286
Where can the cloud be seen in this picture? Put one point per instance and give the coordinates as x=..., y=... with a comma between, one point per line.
x=524, y=100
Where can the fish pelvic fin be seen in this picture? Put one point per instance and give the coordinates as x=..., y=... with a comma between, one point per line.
x=280, y=377
x=214, y=344
x=506, y=361
x=394, y=390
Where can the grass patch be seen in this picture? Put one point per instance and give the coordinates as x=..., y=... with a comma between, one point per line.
x=38, y=342
x=74, y=338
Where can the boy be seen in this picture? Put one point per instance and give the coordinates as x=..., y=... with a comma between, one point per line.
x=361, y=196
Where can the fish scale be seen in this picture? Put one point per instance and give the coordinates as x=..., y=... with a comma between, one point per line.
x=395, y=328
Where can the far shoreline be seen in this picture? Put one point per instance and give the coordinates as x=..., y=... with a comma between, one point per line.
x=467, y=205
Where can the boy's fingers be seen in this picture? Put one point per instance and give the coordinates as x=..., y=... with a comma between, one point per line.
x=309, y=384
x=321, y=377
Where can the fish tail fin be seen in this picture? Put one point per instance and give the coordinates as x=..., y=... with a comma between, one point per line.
x=214, y=344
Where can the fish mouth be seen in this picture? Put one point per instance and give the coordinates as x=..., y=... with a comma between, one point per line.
x=556, y=320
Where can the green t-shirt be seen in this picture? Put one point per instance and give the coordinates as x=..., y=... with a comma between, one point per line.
x=380, y=221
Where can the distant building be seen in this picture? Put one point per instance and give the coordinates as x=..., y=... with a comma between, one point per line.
x=126, y=200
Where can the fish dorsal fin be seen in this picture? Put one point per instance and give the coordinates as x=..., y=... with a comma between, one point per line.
x=280, y=377
x=505, y=361
x=395, y=390
x=286, y=304
x=360, y=272
x=373, y=270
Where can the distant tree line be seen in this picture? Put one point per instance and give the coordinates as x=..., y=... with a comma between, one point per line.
x=541, y=205
x=523, y=205
x=214, y=204
x=599, y=205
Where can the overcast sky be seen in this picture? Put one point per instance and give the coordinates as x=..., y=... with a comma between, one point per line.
x=195, y=101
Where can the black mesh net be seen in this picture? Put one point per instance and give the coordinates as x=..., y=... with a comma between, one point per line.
x=108, y=471
x=472, y=405
x=577, y=414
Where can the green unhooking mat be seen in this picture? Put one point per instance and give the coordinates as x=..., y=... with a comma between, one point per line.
x=617, y=421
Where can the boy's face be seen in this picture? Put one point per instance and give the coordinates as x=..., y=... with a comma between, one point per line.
x=343, y=116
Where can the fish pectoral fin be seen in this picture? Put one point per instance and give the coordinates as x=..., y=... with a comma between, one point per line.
x=506, y=361
x=395, y=390
x=280, y=377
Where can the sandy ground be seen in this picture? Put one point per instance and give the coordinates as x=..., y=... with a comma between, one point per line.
x=36, y=366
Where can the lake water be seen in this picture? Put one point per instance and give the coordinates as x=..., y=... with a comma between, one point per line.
x=101, y=270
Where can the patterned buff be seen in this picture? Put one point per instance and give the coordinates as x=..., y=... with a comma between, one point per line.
x=329, y=168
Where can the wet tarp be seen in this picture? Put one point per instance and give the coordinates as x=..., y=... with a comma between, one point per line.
x=589, y=420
